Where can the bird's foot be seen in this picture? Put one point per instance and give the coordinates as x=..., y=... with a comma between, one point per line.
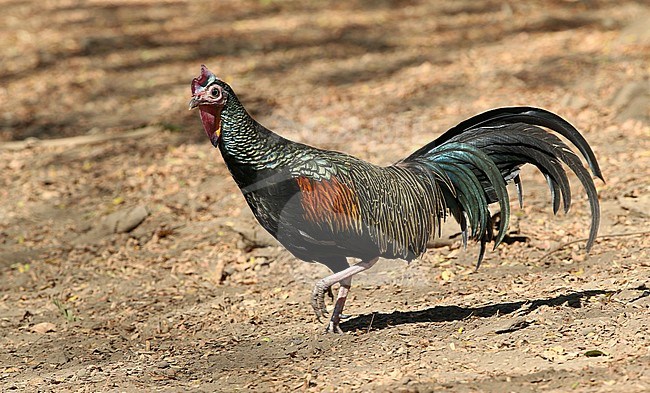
x=333, y=327
x=337, y=313
x=318, y=300
x=344, y=278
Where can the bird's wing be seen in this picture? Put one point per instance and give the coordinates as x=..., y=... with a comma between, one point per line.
x=328, y=195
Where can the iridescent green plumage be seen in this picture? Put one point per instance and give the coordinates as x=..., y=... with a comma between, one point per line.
x=401, y=206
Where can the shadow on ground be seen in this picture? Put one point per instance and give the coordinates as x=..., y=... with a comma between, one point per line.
x=378, y=321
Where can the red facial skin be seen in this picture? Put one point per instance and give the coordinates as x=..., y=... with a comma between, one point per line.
x=210, y=99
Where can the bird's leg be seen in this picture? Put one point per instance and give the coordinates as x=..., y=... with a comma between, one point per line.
x=333, y=326
x=340, y=299
x=345, y=278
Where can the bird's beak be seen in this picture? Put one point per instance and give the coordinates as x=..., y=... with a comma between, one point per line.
x=194, y=102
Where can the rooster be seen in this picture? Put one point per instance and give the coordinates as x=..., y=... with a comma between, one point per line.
x=325, y=206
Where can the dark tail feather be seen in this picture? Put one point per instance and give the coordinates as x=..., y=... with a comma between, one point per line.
x=512, y=145
x=520, y=190
x=504, y=139
x=465, y=169
x=525, y=115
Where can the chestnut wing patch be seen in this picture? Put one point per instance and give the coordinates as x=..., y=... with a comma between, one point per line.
x=330, y=202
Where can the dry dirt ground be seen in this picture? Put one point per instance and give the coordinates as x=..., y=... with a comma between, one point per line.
x=132, y=264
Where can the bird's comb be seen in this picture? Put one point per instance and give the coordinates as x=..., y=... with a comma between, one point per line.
x=203, y=80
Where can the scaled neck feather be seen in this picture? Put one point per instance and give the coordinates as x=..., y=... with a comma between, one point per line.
x=245, y=142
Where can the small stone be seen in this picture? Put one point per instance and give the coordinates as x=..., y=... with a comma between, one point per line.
x=162, y=364
x=126, y=221
x=43, y=327
x=405, y=380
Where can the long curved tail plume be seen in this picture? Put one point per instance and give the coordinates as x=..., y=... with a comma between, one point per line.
x=476, y=158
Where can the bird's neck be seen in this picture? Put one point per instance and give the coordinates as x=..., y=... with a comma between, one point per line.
x=242, y=137
x=246, y=146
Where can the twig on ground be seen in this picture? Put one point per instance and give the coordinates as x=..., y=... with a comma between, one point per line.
x=564, y=245
x=370, y=325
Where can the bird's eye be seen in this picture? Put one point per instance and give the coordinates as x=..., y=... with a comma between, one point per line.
x=215, y=92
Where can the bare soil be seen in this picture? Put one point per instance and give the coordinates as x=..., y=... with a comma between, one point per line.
x=129, y=261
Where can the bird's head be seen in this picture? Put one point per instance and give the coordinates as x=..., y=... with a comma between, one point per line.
x=210, y=95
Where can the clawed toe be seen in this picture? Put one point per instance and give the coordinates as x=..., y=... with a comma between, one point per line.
x=330, y=293
x=318, y=301
x=333, y=327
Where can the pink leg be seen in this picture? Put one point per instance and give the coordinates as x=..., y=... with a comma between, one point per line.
x=343, y=277
x=344, y=289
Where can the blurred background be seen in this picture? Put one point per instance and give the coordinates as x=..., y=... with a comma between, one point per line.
x=73, y=67
x=128, y=258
